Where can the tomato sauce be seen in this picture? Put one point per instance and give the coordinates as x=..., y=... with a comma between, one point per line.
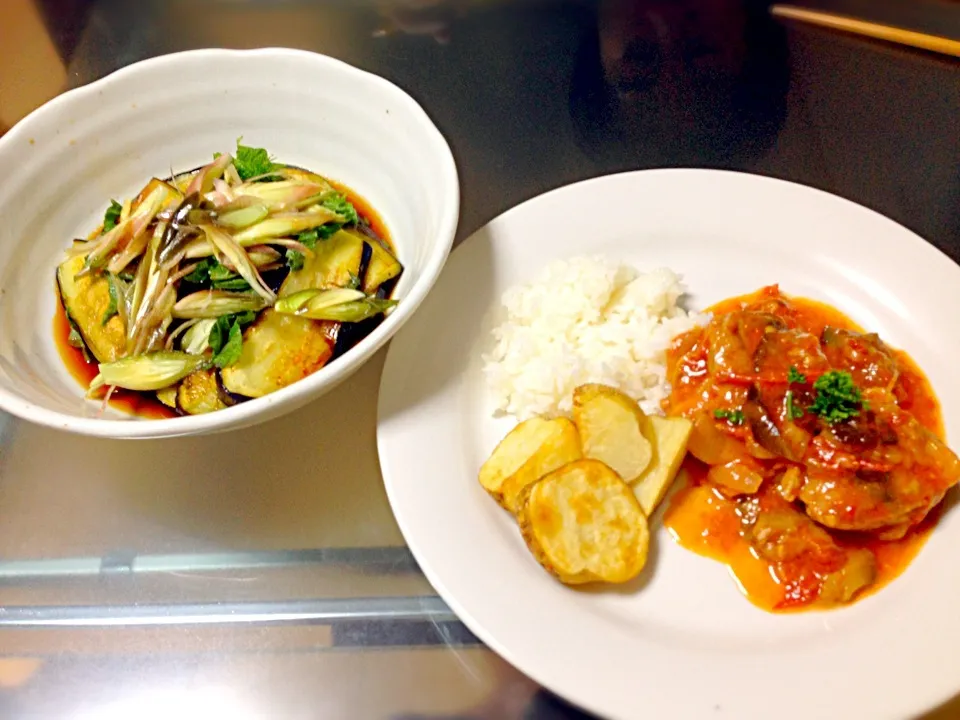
x=702, y=520
x=705, y=521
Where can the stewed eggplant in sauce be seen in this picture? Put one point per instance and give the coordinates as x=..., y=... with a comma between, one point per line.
x=222, y=284
x=817, y=461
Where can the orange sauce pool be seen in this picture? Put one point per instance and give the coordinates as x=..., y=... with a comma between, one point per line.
x=146, y=405
x=704, y=521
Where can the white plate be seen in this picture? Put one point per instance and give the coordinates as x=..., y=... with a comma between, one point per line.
x=683, y=642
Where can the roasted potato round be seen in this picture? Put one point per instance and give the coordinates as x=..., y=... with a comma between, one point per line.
x=532, y=449
x=583, y=524
x=613, y=429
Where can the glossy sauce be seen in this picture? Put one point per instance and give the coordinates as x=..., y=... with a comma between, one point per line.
x=146, y=405
x=366, y=212
x=704, y=521
x=143, y=405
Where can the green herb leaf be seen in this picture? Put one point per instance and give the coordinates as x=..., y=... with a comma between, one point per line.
x=234, y=284
x=219, y=272
x=838, y=398
x=112, y=216
x=795, y=376
x=309, y=238
x=210, y=273
x=294, y=260
x=252, y=162
x=734, y=417
x=230, y=351
x=793, y=411
x=222, y=278
x=114, y=291
x=339, y=204
x=226, y=337
x=314, y=235
x=219, y=333
x=201, y=274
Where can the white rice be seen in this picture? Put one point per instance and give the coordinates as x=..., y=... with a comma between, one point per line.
x=585, y=320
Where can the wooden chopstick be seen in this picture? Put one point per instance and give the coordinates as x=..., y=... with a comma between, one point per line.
x=923, y=41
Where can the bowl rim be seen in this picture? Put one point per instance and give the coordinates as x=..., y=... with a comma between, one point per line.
x=245, y=414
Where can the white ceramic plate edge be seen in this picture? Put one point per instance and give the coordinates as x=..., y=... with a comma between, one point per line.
x=927, y=691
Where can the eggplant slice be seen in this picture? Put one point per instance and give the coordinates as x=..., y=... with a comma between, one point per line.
x=86, y=300
x=168, y=396
x=383, y=265
x=382, y=268
x=199, y=393
x=278, y=350
x=336, y=262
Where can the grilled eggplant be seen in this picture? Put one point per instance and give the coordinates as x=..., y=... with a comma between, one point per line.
x=198, y=393
x=183, y=292
x=168, y=396
x=382, y=268
x=86, y=301
x=278, y=350
x=336, y=262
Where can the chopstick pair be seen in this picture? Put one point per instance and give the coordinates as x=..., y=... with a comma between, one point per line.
x=889, y=33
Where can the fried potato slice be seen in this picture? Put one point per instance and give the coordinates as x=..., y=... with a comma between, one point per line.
x=583, y=524
x=670, y=436
x=532, y=449
x=613, y=429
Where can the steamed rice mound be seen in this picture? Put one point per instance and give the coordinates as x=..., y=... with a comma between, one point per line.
x=585, y=320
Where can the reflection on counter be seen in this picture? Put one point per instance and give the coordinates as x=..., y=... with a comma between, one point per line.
x=301, y=481
x=680, y=82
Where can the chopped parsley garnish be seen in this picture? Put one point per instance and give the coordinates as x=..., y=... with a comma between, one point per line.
x=795, y=376
x=793, y=411
x=112, y=216
x=226, y=337
x=734, y=417
x=838, y=398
